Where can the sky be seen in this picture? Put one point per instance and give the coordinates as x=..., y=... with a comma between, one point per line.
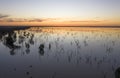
x=60, y=12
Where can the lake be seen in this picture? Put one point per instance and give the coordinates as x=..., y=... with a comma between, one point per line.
x=60, y=52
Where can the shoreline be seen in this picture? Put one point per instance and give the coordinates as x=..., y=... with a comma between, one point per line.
x=60, y=26
x=11, y=28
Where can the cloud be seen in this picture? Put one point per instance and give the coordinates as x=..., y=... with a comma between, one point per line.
x=21, y=20
x=86, y=21
x=7, y=18
x=15, y=20
x=3, y=16
x=36, y=20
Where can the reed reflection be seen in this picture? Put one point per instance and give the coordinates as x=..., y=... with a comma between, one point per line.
x=95, y=48
x=41, y=49
x=117, y=73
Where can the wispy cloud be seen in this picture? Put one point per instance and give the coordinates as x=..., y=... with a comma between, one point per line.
x=7, y=18
x=21, y=20
x=27, y=20
x=86, y=21
x=3, y=16
x=36, y=20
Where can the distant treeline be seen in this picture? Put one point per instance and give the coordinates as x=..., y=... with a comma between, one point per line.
x=11, y=28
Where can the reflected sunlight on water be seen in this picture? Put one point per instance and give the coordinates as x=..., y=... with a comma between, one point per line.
x=60, y=53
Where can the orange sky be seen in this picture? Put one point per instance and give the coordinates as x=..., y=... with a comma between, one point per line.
x=62, y=23
x=60, y=12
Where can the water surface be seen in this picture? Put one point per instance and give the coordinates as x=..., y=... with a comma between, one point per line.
x=49, y=52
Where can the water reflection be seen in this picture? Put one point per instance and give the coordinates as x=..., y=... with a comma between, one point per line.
x=60, y=53
x=117, y=73
x=41, y=49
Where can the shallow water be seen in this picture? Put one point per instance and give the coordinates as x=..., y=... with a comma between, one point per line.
x=60, y=53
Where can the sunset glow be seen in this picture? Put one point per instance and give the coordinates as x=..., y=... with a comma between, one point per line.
x=60, y=12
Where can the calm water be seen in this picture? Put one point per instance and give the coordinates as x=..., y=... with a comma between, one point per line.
x=60, y=53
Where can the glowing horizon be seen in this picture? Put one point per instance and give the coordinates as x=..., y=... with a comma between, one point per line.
x=60, y=12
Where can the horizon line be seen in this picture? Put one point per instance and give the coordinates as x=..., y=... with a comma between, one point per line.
x=62, y=26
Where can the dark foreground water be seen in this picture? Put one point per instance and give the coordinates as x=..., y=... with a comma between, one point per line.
x=60, y=53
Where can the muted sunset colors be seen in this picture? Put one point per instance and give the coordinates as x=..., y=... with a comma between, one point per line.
x=60, y=12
